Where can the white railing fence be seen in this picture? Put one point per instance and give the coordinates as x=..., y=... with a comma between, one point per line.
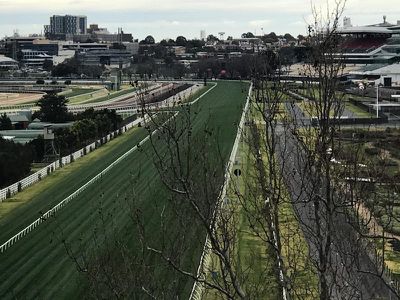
x=66, y=160
x=11, y=190
x=11, y=241
x=31, y=179
x=198, y=286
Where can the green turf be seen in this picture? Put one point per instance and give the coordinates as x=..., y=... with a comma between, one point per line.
x=87, y=166
x=198, y=93
x=359, y=112
x=38, y=267
x=112, y=95
x=253, y=258
x=83, y=98
x=78, y=91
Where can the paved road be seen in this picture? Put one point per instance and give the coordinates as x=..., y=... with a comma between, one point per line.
x=350, y=268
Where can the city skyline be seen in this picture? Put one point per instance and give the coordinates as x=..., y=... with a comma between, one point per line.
x=168, y=19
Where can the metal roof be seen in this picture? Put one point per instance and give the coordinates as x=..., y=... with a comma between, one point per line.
x=4, y=59
x=364, y=29
x=18, y=118
x=22, y=133
x=40, y=125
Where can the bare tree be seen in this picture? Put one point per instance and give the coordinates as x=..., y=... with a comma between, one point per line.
x=338, y=251
x=287, y=161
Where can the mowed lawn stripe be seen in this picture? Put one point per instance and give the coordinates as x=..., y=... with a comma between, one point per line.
x=46, y=194
x=77, y=220
x=38, y=266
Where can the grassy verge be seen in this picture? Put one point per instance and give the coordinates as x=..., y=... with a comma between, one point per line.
x=112, y=95
x=88, y=96
x=358, y=111
x=254, y=256
x=254, y=261
x=309, y=109
x=299, y=270
x=99, y=95
x=77, y=92
x=198, y=93
x=57, y=178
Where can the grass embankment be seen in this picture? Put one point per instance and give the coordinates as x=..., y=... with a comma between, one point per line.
x=38, y=266
x=309, y=107
x=97, y=95
x=300, y=271
x=198, y=93
x=83, y=98
x=85, y=167
x=359, y=112
x=298, y=267
x=278, y=110
x=125, y=90
x=77, y=91
x=310, y=110
x=255, y=259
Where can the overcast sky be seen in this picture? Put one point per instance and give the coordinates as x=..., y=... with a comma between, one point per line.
x=170, y=18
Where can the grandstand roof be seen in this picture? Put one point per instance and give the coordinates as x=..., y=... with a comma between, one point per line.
x=366, y=29
x=379, y=70
x=5, y=59
x=390, y=69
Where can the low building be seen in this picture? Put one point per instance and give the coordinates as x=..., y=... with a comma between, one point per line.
x=113, y=37
x=234, y=54
x=19, y=121
x=250, y=44
x=107, y=57
x=203, y=54
x=31, y=51
x=386, y=75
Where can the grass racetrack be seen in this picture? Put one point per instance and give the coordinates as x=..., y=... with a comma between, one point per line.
x=38, y=266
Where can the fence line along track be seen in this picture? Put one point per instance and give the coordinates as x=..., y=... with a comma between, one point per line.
x=51, y=212
x=198, y=286
x=39, y=175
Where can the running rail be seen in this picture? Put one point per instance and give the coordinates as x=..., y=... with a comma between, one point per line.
x=51, y=212
x=198, y=286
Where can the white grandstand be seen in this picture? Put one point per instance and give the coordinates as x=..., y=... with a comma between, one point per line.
x=371, y=44
x=8, y=63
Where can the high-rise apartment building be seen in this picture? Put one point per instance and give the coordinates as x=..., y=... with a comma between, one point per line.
x=67, y=25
